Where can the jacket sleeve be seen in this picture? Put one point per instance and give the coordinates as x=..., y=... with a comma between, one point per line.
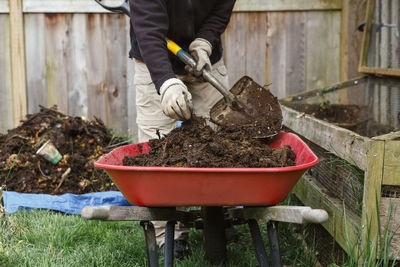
x=150, y=23
x=216, y=22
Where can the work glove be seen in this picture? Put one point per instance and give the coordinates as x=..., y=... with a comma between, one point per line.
x=201, y=50
x=176, y=101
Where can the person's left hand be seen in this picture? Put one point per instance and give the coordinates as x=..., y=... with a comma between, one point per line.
x=201, y=50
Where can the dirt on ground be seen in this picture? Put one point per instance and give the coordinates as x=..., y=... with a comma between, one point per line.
x=196, y=144
x=80, y=141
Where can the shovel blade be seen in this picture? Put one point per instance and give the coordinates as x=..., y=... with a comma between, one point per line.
x=263, y=114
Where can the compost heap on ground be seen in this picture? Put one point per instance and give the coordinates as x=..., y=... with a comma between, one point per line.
x=196, y=145
x=81, y=142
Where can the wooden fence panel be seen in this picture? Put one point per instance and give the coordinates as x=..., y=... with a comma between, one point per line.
x=303, y=51
x=6, y=108
x=77, y=54
x=79, y=62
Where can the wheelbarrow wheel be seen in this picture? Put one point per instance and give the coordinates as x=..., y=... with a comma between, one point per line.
x=214, y=234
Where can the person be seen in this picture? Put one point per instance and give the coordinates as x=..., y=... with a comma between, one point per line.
x=165, y=91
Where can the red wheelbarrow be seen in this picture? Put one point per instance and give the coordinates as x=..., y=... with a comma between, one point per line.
x=161, y=189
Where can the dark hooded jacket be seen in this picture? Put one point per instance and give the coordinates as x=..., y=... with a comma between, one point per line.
x=180, y=20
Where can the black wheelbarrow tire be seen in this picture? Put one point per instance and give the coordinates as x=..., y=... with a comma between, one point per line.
x=214, y=234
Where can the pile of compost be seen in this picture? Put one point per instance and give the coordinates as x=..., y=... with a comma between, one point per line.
x=195, y=144
x=80, y=142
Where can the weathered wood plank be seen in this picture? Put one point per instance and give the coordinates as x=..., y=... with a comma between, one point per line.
x=288, y=5
x=234, y=53
x=390, y=222
x=58, y=50
x=66, y=6
x=343, y=143
x=35, y=61
x=18, y=68
x=76, y=66
x=97, y=67
x=391, y=171
x=392, y=153
x=371, y=199
x=276, y=54
x=295, y=52
x=322, y=50
x=388, y=137
x=255, y=46
x=131, y=92
x=343, y=225
x=4, y=6
x=89, y=6
x=6, y=107
x=391, y=175
x=116, y=53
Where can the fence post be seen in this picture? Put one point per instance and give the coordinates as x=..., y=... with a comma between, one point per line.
x=18, y=67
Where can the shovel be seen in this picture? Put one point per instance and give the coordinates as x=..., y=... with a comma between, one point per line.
x=247, y=105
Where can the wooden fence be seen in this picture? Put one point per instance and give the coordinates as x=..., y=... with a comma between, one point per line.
x=75, y=54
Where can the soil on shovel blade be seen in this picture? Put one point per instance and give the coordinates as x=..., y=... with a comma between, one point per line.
x=195, y=144
x=81, y=142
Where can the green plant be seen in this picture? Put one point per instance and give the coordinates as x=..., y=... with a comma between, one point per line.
x=375, y=254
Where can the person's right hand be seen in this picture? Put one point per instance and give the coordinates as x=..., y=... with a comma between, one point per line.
x=176, y=101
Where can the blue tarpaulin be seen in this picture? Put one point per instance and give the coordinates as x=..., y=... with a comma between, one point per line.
x=68, y=203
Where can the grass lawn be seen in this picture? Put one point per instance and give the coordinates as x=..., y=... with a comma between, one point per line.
x=46, y=238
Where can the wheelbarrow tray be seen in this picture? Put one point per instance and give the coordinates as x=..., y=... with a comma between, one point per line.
x=187, y=186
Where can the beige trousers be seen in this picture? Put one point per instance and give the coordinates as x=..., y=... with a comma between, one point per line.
x=150, y=117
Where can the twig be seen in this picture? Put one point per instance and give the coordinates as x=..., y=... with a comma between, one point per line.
x=63, y=176
x=17, y=135
x=47, y=177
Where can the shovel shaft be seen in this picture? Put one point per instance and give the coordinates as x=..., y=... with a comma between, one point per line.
x=186, y=58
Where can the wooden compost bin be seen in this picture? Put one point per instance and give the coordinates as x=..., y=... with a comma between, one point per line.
x=357, y=172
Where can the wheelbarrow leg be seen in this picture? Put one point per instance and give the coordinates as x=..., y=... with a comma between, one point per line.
x=258, y=243
x=169, y=244
x=272, y=227
x=151, y=244
x=214, y=234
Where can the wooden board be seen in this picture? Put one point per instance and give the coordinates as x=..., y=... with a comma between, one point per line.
x=391, y=171
x=35, y=47
x=292, y=5
x=303, y=51
x=58, y=50
x=4, y=6
x=131, y=92
x=343, y=143
x=18, y=71
x=66, y=6
x=342, y=224
x=323, y=49
x=89, y=6
x=6, y=107
x=234, y=50
x=116, y=54
x=390, y=222
x=372, y=191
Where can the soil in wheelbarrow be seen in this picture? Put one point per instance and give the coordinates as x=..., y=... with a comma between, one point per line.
x=195, y=144
x=80, y=141
x=352, y=117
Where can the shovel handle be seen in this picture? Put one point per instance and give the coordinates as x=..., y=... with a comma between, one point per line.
x=186, y=58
